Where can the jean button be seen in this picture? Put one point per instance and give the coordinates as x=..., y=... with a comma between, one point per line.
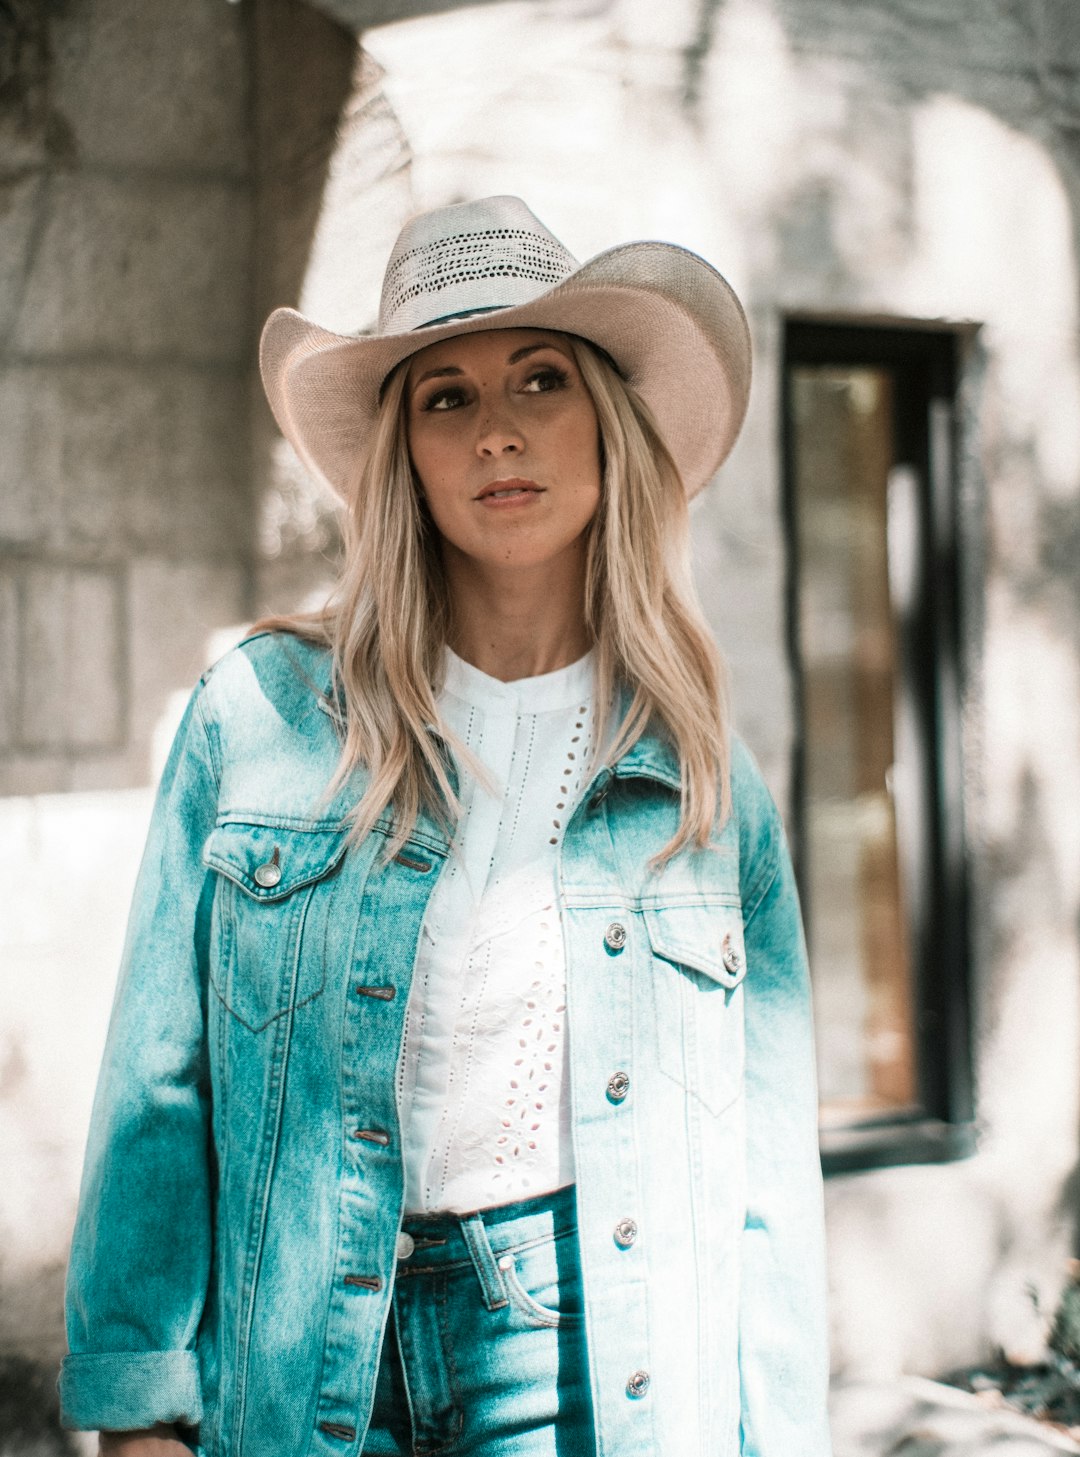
x=638, y=1384
x=615, y=936
x=730, y=953
x=268, y=874
x=405, y=1245
x=625, y=1233
x=618, y=1085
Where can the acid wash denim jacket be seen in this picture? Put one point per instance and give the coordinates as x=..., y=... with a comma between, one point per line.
x=226, y=1199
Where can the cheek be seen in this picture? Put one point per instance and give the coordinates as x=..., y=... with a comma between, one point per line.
x=424, y=458
x=433, y=465
x=588, y=455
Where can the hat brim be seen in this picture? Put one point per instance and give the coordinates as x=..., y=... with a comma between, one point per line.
x=669, y=320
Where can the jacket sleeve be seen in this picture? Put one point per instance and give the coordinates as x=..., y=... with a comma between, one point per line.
x=140, y=1255
x=783, y=1331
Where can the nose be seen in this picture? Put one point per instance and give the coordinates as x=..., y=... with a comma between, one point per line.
x=499, y=435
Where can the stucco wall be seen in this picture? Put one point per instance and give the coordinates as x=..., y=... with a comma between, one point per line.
x=165, y=179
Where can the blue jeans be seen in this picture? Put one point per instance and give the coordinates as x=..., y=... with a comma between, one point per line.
x=484, y=1354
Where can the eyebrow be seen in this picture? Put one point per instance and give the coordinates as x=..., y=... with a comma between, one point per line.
x=448, y=371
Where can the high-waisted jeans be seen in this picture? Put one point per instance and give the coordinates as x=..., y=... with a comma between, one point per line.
x=484, y=1354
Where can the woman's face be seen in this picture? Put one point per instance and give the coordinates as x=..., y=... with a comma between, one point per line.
x=504, y=439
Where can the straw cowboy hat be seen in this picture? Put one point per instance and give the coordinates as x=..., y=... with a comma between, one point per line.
x=670, y=322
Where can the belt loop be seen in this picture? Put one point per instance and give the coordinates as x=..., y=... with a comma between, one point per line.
x=480, y=1252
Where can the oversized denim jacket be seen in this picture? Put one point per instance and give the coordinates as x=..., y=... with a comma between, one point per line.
x=225, y=1198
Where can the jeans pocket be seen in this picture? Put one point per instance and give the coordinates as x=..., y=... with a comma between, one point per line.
x=543, y=1281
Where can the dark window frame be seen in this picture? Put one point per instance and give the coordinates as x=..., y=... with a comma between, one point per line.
x=924, y=362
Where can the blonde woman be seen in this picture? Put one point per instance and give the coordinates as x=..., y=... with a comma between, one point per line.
x=459, y=1091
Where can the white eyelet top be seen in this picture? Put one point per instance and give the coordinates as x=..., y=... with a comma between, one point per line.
x=483, y=1086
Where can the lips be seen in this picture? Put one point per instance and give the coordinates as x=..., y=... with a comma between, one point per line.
x=510, y=489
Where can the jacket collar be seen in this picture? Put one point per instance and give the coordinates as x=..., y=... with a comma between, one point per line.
x=652, y=757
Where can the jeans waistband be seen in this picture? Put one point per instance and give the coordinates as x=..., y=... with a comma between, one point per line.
x=479, y=1238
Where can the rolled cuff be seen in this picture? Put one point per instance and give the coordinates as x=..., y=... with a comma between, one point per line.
x=126, y=1390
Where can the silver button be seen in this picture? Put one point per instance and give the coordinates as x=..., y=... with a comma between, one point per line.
x=405, y=1245
x=638, y=1384
x=615, y=936
x=730, y=953
x=268, y=874
x=618, y=1085
x=625, y=1233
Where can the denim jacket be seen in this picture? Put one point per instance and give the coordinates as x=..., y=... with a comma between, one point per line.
x=227, y=1196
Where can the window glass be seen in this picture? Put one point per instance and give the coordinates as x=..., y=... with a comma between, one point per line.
x=846, y=494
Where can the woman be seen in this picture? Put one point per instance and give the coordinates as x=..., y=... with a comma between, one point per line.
x=459, y=1090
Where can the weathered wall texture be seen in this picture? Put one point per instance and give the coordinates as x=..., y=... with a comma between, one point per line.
x=125, y=209
x=167, y=176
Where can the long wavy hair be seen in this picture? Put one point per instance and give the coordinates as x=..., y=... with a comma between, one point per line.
x=388, y=618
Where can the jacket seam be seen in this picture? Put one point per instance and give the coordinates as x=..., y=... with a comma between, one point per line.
x=766, y=882
x=215, y=767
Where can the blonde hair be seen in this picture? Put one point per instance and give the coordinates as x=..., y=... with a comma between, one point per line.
x=387, y=621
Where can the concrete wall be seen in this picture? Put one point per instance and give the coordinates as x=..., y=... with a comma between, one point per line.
x=166, y=177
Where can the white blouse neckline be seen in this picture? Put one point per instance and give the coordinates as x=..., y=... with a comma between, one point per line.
x=560, y=689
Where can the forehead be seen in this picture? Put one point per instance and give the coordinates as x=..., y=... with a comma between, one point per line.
x=486, y=346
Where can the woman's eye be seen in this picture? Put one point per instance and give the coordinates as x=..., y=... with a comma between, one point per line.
x=445, y=399
x=548, y=377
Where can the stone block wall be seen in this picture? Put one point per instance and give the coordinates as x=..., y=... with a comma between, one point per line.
x=125, y=335
x=138, y=148
x=125, y=546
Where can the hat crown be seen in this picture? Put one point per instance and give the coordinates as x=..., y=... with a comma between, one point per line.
x=469, y=258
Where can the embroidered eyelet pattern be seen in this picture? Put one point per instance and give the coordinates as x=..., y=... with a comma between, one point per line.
x=538, y=1047
x=577, y=757
x=492, y=253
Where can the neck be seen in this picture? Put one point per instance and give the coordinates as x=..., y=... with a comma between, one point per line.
x=518, y=622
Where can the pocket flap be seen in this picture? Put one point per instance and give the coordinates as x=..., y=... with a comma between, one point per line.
x=271, y=861
x=707, y=938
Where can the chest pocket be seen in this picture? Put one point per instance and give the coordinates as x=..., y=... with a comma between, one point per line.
x=698, y=966
x=271, y=914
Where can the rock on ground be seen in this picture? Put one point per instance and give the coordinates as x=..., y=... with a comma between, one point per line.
x=920, y=1418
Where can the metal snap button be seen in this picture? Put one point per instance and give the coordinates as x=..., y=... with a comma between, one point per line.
x=618, y=1085
x=404, y=1245
x=615, y=936
x=638, y=1384
x=268, y=873
x=625, y=1233
x=730, y=953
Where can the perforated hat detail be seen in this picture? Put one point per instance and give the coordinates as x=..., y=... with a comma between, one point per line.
x=493, y=254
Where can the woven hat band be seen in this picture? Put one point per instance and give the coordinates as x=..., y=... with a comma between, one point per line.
x=492, y=259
